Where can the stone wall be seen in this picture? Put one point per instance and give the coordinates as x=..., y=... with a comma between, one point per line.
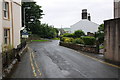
x=112, y=40
x=91, y=49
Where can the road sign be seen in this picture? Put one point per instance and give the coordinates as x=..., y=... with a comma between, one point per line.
x=25, y=34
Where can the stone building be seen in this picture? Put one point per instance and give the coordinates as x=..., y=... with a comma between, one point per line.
x=112, y=35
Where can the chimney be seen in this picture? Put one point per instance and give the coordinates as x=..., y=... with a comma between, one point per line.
x=116, y=8
x=84, y=14
x=89, y=17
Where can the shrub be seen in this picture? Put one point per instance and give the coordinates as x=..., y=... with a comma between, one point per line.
x=79, y=33
x=88, y=40
x=68, y=35
x=66, y=39
x=78, y=41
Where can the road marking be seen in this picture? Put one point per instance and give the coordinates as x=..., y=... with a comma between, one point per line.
x=101, y=61
x=33, y=68
x=38, y=69
x=36, y=64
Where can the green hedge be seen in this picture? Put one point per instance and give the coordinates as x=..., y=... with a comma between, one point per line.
x=88, y=40
x=78, y=41
x=68, y=35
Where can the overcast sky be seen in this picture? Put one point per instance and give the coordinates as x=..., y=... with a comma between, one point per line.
x=67, y=12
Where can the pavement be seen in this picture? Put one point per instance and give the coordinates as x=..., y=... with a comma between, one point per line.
x=49, y=60
x=23, y=69
x=0, y=66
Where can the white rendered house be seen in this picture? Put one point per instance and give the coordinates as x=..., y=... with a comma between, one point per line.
x=85, y=24
x=10, y=23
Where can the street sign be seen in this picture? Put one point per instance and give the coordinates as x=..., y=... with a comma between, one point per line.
x=25, y=34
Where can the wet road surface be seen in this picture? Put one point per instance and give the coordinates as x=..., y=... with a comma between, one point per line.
x=56, y=61
x=49, y=60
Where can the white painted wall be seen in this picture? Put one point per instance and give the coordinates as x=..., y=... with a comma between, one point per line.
x=16, y=23
x=1, y=29
x=1, y=34
x=85, y=25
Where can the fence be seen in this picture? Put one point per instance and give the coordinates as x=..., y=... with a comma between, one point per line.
x=9, y=56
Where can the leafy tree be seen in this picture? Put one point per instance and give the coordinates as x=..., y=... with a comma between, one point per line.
x=101, y=28
x=57, y=31
x=100, y=34
x=32, y=15
x=79, y=33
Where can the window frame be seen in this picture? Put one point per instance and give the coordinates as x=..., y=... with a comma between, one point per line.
x=6, y=10
x=6, y=36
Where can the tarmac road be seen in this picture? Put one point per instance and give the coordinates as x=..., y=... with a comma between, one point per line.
x=49, y=60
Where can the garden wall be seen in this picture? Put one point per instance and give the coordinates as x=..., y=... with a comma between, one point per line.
x=84, y=48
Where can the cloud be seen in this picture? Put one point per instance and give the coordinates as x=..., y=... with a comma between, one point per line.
x=68, y=12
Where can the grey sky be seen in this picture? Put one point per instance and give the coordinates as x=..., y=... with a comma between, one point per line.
x=67, y=12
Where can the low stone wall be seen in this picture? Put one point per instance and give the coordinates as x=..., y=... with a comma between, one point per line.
x=91, y=49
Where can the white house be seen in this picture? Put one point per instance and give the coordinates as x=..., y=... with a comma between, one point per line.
x=10, y=23
x=85, y=24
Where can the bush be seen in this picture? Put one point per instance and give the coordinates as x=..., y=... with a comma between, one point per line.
x=78, y=41
x=88, y=40
x=68, y=35
x=79, y=33
x=66, y=39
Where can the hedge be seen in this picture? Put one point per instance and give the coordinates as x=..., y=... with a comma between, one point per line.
x=78, y=41
x=88, y=40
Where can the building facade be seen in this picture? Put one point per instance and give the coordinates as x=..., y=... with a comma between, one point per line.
x=10, y=24
x=112, y=35
x=85, y=24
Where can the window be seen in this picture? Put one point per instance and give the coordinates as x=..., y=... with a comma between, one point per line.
x=6, y=10
x=6, y=36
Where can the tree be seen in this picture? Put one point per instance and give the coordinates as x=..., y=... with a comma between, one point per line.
x=32, y=15
x=79, y=33
x=57, y=31
x=100, y=34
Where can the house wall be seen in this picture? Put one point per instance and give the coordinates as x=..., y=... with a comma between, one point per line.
x=112, y=40
x=13, y=23
x=16, y=23
x=1, y=32
x=85, y=25
x=7, y=24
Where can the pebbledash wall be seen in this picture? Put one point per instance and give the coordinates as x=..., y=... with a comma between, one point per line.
x=112, y=35
x=13, y=23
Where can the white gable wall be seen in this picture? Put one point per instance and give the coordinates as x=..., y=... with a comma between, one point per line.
x=85, y=25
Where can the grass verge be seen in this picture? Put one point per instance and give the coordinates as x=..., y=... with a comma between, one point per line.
x=39, y=40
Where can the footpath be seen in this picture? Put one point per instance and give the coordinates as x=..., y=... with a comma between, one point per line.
x=0, y=66
x=8, y=71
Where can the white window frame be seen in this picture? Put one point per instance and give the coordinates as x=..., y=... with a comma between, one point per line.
x=6, y=10
x=7, y=36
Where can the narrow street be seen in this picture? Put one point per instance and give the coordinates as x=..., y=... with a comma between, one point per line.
x=49, y=60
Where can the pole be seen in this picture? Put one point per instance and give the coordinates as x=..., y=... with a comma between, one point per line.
x=24, y=17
